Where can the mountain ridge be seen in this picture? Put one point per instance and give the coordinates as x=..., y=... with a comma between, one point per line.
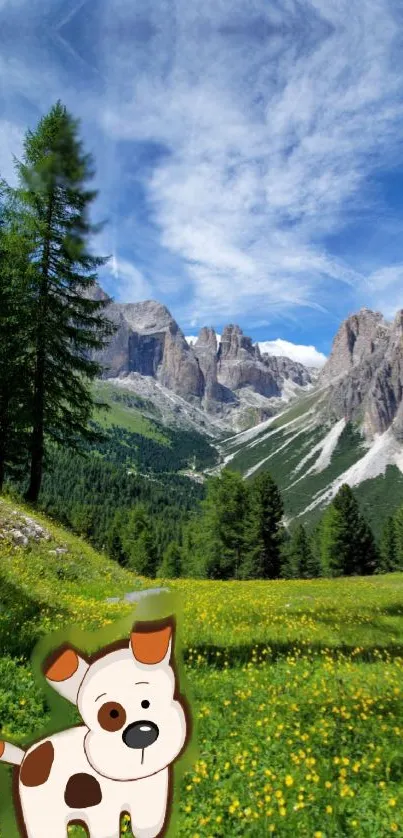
x=230, y=381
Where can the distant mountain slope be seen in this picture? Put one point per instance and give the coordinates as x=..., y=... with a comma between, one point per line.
x=348, y=430
x=230, y=382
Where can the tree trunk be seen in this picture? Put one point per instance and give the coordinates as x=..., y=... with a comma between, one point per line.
x=38, y=427
x=37, y=436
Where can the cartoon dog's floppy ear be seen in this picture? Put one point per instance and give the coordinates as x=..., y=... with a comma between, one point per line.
x=64, y=670
x=151, y=643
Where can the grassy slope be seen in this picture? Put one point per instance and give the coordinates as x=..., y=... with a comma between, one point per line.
x=282, y=453
x=296, y=685
x=128, y=411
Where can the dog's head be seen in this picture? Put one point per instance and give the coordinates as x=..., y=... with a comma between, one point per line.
x=127, y=699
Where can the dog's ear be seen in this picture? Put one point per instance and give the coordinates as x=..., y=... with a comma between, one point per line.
x=151, y=643
x=64, y=670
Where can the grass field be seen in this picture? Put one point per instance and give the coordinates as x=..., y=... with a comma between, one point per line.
x=297, y=689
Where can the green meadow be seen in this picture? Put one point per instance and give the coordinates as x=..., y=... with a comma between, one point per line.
x=296, y=686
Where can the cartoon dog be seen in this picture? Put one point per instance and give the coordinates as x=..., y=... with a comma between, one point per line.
x=135, y=725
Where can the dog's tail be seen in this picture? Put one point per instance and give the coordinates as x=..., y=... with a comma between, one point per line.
x=10, y=753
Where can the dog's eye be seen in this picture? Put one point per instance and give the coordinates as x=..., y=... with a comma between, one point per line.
x=111, y=716
x=145, y=704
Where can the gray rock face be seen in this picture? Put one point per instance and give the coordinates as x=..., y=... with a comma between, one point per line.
x=206, y=350
x=240, y=365
x=285, y=369
x=220, y=380
x=360, y=337
x=180, y=369
x=148, y=341
x=365, y=373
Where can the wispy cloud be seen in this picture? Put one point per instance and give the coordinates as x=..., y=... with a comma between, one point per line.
x=272, y=128
x=385, y=289
x=11, y=138
x=129, y=283
x=259, y=127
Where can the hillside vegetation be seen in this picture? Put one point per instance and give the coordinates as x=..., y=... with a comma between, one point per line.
x=297, y=686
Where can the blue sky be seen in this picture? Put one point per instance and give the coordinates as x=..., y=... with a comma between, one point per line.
x=249, y=154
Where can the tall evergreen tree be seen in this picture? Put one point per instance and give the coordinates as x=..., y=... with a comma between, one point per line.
x=398, y=529
x=138, y=542
x=301, y=557
x=388, y=547
x=114, y=546
x=263, y=530
x=14, y=345
x=217, y=535
x=347, y=542
x=171, y=565
x=68, y=325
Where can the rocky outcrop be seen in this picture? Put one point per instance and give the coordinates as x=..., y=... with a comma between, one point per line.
x=359, y=339
x=149, y=341
x=206, y=351
x=284, y=369
x=179, y=370
x=231, y=378
x=364, y=373
x=240, y=365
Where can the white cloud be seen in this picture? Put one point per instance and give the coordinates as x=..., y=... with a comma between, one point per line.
x=385, y=289
x=130, y=285
x=272, y=117
x=270, y=143
x=306, y=355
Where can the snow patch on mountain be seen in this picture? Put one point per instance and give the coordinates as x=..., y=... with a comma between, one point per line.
x=384, y=451
x=326, y=447
x=285, y=444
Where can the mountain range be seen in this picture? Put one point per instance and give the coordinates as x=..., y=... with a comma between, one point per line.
x=229, y=381
x=313, y=429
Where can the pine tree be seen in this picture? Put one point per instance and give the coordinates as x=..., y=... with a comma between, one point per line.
x=347, y=542
x=263, y=530
x=219, y=532
x=114, y=546
x=138, y=542
x=53, y=204
x=388, y=547
x=301, y=556
x=398, y=528
x=171, y=565
x=14, y=346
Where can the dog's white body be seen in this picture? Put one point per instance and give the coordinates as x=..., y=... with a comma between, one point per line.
x=46, y=814
x=119, y=760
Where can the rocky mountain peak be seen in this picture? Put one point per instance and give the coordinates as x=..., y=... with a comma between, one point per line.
x=359, y=336
x=224, y=380
x=147, y=317
x=235, y=346
x=207, y=340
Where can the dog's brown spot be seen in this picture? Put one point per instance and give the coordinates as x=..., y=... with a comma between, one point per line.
x=111, y=716
x=2, y=747
x=82, y=791
x=37, y=764
x=150, y=646
x=64, y=666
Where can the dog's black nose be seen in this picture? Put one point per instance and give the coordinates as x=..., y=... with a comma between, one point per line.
x=140, y=735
